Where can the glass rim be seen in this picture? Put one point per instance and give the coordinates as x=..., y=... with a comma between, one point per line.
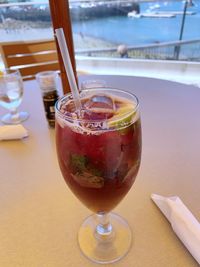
x=10, y=71
x=68, y=95
x=46, y=73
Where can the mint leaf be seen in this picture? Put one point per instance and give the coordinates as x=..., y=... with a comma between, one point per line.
x=94, y=171
x=78, y=162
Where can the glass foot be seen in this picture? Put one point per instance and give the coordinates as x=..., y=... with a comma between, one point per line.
x=107, y=248
x=15, y=119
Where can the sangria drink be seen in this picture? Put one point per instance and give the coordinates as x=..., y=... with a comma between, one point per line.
x=99, y=152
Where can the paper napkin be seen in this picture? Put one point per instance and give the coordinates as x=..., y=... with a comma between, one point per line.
x=12, y=132
x=183, y=222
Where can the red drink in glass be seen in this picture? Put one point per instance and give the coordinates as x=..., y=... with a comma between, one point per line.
x=99, y=148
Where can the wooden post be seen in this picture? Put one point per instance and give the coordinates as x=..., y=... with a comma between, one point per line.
x=61, y=19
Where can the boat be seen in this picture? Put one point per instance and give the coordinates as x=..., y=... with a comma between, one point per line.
x=156, y=6
x=176, y=12
x=157, y=15
x=133, y=14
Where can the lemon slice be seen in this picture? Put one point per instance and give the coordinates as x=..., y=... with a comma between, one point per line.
x=123, y=116
x=1, y=73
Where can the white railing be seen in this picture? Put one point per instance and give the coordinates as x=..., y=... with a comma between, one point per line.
x=165, y=50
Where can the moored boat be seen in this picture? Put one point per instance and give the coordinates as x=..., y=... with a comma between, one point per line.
x=151, y=15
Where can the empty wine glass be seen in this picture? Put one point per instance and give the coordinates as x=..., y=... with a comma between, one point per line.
x=11, y=93
x=99, y=152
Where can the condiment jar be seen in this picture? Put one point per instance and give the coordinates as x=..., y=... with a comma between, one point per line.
x=47, y=81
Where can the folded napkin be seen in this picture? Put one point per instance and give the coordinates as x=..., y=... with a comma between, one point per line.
x=12, y=132
x=183, y=222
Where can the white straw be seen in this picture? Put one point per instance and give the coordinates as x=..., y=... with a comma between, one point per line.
x=68, y=67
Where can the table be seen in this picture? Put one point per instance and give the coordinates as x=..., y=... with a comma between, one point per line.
x=40, y=217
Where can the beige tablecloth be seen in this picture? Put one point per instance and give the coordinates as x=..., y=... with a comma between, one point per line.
x=39, y=216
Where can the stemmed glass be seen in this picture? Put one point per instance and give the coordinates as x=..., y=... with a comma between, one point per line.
x=11, y=93
x=88, y=84
x=99, y=152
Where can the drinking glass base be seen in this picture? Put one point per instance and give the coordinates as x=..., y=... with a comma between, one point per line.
x=15, y=119
x=105, y=249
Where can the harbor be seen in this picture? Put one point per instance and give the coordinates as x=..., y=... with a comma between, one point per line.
x=79, y=10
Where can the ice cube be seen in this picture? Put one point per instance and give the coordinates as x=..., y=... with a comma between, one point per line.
x=100, y=102
x=98, y=107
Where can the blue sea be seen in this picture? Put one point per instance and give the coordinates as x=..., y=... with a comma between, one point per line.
x=138, y=31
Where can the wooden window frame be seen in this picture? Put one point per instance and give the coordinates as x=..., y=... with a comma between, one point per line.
x=60, y=16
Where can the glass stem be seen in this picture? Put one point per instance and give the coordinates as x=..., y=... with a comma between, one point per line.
x=104, y=230
x=14, y=114
x=14, y=111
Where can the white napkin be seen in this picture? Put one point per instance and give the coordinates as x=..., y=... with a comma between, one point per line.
x=183, y=222
x=12, y=132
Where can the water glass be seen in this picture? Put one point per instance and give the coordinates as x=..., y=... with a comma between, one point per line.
x=11, y=93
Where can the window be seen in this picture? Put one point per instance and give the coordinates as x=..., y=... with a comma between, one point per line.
x=125, y=29
x=150, y=30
